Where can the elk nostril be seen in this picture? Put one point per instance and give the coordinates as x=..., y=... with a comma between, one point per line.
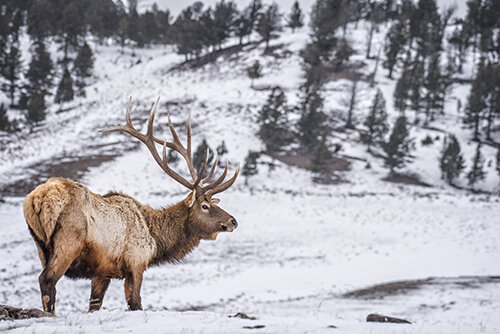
x=234, y=222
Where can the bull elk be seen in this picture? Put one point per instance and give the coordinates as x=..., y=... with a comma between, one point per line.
x=81, y=234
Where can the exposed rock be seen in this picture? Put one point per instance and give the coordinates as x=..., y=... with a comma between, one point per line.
x=15, y=313
x=383, y=318
x=242, y=316
x=254, y=327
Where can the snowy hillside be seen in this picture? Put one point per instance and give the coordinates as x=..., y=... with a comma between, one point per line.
x=303, y=252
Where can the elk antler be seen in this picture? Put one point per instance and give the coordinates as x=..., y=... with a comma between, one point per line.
x=149, y=140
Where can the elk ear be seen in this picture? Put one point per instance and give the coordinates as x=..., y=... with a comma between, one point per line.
x=215, y=200
x=192, y=199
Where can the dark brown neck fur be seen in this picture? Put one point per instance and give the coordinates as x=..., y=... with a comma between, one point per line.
x=169, y=228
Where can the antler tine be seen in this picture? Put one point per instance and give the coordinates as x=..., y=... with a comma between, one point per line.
x=127, y=116
x=164, y=165
x=203, y=168
x=180, y=148
x=149, y=140
x=225, y=185
x=189, y=134
x=212, y=170
x=151, y=119
x=219, y=180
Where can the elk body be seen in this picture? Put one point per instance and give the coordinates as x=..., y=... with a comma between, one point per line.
x=81, y=234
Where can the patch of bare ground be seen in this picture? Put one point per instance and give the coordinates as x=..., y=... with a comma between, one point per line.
x=381, y=291
x=228, y=53
x=73, y=167
x=406, y=179
x=303, y=160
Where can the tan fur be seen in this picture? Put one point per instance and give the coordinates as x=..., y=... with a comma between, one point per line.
x=85, y=235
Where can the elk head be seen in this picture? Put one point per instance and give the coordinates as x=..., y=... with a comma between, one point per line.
x=205, y=218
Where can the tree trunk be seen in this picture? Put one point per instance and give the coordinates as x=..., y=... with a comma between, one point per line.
x=370, y=36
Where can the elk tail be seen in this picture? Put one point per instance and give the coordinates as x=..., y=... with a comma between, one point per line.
x=42, y=208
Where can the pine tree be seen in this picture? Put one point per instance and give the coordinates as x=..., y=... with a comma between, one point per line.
x=401, y=91
x=39, y=20
x=221, y=151
x=295, y=18
x=36, y=108
x=273, y=121
x=311, y=123
x=321, y=161
x=326, y=18
x=476, y=172
x=398, y=148
x=200, y=155
x=394, y=44
x=376, y=15
x=254, y=71
x=477, y=101
x=40, y=70
x=11, y=69
x=223, y=19
x=269, y=24
x=416, y=82
x=83, y=65
x=451, y=162
x=498, y=161
x=375, y=122
x=65, y=91
x=351, y=101
x=433, y=84
x=250, y=166
x=4, y=120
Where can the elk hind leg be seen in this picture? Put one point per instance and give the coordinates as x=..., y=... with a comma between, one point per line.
x=67, y=247
x=99, y=287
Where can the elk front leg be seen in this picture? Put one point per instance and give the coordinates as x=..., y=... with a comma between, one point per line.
x=133, y=283
x=99, y=287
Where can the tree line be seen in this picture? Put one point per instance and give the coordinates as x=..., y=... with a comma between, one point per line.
x=428, y=50
x=71, y=23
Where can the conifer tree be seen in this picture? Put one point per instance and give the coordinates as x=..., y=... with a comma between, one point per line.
x=254, y=71
x=433, y=84
x=375, y=122
x=311, y=123
x=200, y=155
x=36, y=108
x=401, y=91
x=269, y=24
x=395, y=41
x=416, y=82
x=65, y=91
x=295, y=18
x=398, y=148
x=451, y=162
x=83, y=65
x=326, y=18
x=351, y=101
x=477, y=101
x=11, y=69
x=40, y=71
x=4, y=120
x=221, y=150
x=476, y=172
x=498, y=161
x=273, y=121
x=321, y=161
x=250, y=166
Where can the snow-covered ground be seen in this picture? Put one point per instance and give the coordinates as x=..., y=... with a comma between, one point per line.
x=299, y=248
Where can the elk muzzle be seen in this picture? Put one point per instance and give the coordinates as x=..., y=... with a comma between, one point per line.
x=230, y=225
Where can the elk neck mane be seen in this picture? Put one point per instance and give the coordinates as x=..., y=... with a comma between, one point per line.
x=169, y=227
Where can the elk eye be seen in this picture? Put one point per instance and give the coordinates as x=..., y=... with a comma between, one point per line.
x=204, y=207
